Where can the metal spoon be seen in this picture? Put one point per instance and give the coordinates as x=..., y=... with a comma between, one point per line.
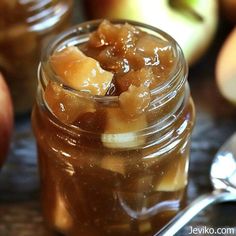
x=223, y=179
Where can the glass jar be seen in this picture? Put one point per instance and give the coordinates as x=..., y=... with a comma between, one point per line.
x=25, y=26
x=122, y=183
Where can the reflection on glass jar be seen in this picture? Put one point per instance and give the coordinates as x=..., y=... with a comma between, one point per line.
x=25, y=26
x=126, y=182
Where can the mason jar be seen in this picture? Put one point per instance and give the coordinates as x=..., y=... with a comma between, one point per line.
x=114, y=183
x=25, y=26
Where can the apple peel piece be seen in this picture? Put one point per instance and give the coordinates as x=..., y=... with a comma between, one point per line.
x=120, y=130
x=226, y=68
x=80, y=72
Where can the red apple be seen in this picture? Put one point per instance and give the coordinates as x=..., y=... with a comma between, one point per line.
x=6, y=119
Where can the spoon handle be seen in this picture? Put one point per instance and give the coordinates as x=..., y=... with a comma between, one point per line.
x=193, y=209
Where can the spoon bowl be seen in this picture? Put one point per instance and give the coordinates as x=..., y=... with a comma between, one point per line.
x=223, y=168
x=223, y=179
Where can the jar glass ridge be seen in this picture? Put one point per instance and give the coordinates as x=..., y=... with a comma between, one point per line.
x=144, y=181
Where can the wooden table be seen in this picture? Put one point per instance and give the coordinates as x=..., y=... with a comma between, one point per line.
x=20, y=212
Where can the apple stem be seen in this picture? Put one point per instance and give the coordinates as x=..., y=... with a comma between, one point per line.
x=183, y=5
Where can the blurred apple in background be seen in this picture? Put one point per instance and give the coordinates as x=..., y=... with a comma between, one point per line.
x=6, y=119
x=192, y=23
x=226, y=68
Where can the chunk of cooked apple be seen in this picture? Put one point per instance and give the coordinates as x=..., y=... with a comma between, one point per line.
x=174, y=176
x=120, y=130
x=62, y=219
x=65, y=105
x=80, y=72
x=135, y=101
x=114, y=164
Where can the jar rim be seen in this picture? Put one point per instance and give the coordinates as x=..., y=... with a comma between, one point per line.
x=163, y=93
x=87, y=27
x=44, y=14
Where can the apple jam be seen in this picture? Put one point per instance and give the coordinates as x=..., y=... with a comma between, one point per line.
x=25, y=26
x=113, y=121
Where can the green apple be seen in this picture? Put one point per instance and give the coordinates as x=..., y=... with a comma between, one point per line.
x=192, y=23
